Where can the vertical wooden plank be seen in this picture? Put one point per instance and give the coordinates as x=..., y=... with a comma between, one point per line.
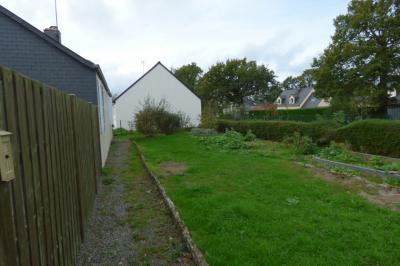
x=78, y=172
x=42, y=140
x=65, y=175
x=17, y=184
x=29, y=189
x=8, y=244
x=56, y=176
x=51, y=172
x=72, y=178
x=59, y=178
x=35, y=165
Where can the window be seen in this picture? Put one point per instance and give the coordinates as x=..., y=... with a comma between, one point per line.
x=292, y=100
x=279, y=101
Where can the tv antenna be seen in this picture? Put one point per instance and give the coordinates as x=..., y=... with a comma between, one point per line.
x=55, y=9
x=142, y=65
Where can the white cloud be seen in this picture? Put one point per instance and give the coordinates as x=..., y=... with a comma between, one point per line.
x=119, y=34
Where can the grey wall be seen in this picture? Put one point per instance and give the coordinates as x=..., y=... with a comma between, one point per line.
x=26, y=53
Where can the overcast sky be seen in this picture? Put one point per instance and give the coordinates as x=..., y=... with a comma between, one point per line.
x=119, y=34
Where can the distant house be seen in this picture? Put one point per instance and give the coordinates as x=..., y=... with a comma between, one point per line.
x=299, y=98
x=41, y=56
x=157, y=83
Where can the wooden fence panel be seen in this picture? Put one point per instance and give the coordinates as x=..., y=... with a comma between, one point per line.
x=57, y=162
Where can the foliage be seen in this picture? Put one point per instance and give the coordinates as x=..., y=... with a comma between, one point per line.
x=208, y=117
x=120, y=132
x=246, y=209
x=196, y=131
x=306, y=115
x=189, y=74
x=230, y=140
x=303, y=81
x=361, y=65
x=227, y=83
x=321, y=132
x=249, y=136
x=302, y=144
x=155, y=117
x=372, y=136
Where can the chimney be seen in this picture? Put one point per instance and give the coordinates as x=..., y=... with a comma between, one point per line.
x=53, y=33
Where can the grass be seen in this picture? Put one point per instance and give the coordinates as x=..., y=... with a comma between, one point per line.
x=257, y=207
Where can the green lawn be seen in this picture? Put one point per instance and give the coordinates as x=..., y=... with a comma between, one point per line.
x=259, y=208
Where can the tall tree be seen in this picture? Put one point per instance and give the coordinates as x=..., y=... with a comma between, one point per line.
x=189, y=74
x=303, y=81
x=362, y=64
x=229, y=82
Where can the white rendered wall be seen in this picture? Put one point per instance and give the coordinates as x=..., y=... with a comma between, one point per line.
x=158, y=84
x=104, y=103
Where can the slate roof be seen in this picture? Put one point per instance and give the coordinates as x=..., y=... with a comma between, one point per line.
x=56, y=44
x=300, y=96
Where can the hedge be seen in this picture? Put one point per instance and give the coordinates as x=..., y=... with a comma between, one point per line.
x=372, y=136
x=306, y=115
x=321, y=132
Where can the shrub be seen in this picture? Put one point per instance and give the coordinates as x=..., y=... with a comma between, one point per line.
x=320, y=132
x=155, y=117
x=305, y=115
x=302, y=144
x=208, y=117
x=372, y=136
x=231, y=140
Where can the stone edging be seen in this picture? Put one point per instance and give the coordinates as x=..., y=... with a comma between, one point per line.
x=363, y=169
x=198, y=257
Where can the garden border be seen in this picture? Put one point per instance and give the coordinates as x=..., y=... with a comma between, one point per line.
x=363, y=169
x=198, y=257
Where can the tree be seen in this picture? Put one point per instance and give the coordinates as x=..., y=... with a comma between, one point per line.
x=228, y=83
x=303, y=81
x=362, y=64
x=189, y=74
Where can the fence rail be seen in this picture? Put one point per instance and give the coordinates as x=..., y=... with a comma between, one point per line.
x=56, y=154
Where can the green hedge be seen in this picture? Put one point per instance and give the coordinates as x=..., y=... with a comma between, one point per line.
x=372, y=136
x=305, y=115
x=321, y=132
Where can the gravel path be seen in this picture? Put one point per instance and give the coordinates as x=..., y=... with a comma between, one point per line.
x=130, y=224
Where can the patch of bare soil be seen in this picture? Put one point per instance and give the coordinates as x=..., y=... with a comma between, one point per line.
x=380, y=194
x=130, y=224
x=172, y=168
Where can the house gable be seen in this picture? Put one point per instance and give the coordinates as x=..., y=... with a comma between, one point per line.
x=31, y=52
x=157, y=83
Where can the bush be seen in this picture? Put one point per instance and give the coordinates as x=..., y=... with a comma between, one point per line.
x=155, y=117
x=372, y=136
x=321, y=132
x=208, y=117
x=302, y=144
x=305, y=115
x=230, y=140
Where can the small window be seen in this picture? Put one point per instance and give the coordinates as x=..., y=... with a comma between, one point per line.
x=292, y=100
x=279, y=100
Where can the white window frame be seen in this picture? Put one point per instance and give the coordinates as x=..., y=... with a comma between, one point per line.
x=279, y=101
x=292, y=100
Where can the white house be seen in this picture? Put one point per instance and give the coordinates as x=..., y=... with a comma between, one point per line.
x=299, y=98
x=157, y=83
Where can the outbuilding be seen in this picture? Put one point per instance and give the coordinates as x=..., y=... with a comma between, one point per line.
x=158, y=83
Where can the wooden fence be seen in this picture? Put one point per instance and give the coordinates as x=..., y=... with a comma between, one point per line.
x=56, y=153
